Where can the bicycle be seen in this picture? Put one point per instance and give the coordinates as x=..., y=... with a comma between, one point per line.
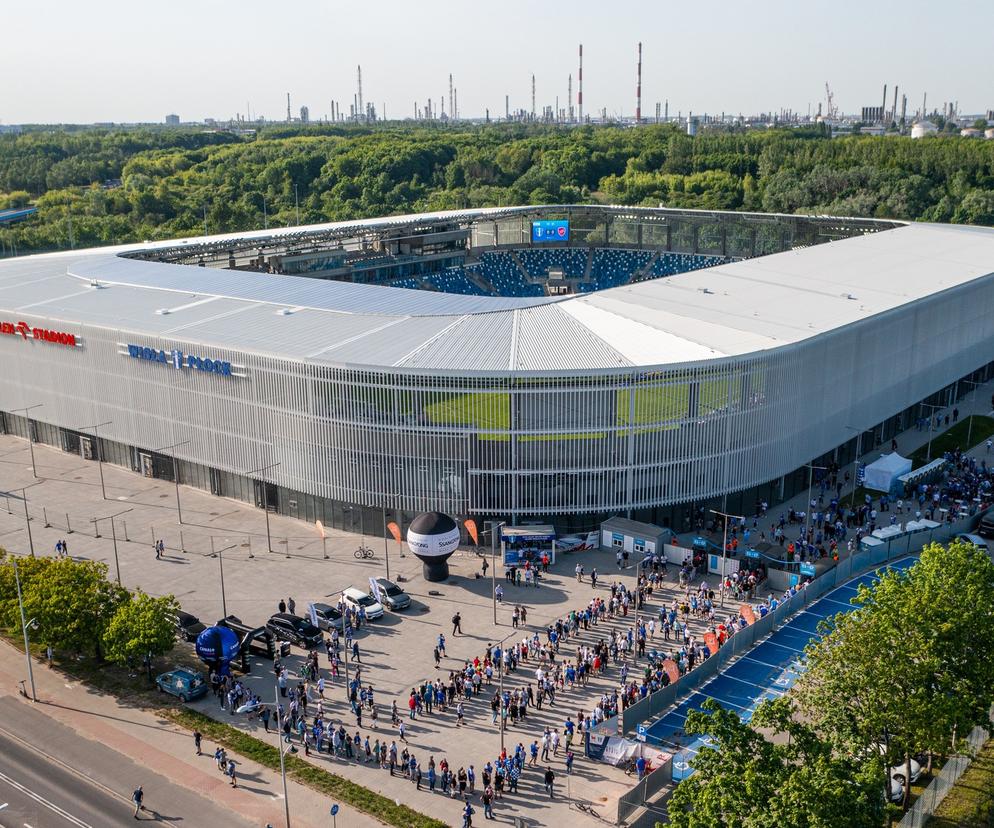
x=363, y=552
x=587, y=809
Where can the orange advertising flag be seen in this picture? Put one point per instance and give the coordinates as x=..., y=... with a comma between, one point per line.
x=670, y=668
x=471, y=528
x=711, y=641
x=320, y=528
x=394, y=530
x=746, y=612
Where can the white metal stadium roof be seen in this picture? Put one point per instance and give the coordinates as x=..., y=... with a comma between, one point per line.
x=730, y=310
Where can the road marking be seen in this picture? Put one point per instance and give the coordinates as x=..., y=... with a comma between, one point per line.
x=42, y=801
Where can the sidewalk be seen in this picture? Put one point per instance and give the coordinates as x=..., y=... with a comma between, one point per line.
x=164, y=749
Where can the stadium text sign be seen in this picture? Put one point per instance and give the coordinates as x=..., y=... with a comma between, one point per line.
x=25, y=331
x=179, y=360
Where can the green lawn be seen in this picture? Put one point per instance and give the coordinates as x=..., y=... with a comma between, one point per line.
x=970, y=804
x=955, y=437
x=486, y=411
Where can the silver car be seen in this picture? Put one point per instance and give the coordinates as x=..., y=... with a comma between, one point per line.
x=392, y=596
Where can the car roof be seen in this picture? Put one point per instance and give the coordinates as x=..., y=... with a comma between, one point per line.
x=325, y=607
x=285, y=616
x=354, y=591
x=385, y=583
x=186, y=616
x=972, y=538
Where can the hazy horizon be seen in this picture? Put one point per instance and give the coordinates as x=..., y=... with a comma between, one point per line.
x=121, y=62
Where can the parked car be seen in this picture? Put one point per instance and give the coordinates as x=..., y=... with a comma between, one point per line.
x=294, y=629
x=186, y=685
x=355, y=598
x=329, y=617
x=392, y=596
x=188, y=627
x=976, y=540
x=986, y=527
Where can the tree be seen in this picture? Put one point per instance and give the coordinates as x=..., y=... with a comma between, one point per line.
x=143, y=626
x=747, y=780
x=73, y=604
x=910, y=667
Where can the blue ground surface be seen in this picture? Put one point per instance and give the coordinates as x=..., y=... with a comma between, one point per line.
x=766, y=671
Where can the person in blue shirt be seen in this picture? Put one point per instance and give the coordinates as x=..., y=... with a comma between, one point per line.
x=640, y=765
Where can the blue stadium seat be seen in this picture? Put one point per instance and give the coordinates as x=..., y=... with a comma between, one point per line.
x=572, y=261
x=454, y=280
x=611, y=268
x=500, y=269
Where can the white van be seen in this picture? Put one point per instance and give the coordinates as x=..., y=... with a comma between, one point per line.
x=355, y=598
x=976, y=540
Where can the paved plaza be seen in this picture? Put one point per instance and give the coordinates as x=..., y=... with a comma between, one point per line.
x=395, y=652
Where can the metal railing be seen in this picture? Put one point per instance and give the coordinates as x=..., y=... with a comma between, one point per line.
x=926, y=805
x=644, y=790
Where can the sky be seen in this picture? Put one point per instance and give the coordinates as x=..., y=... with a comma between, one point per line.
x=111, y=60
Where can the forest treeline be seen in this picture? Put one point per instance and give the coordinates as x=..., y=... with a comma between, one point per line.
x=176, y=182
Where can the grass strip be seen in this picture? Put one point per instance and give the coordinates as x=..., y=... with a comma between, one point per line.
x=955, y=437
x=970, y=802
x=337, y=787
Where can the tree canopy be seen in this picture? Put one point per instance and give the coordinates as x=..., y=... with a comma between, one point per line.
x=174, y=181
x=748, y=780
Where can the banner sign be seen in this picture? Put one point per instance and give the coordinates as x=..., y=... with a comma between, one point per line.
x=179, y=360
x=374, y=587
x=25, y=331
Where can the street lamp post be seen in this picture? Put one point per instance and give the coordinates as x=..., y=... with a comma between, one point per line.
x=855, y=464
x=500, y=687
x=219, y=554
x=96, y=446
x=24, y=628
x=265, y=500
x=173, y=447
x=931, y=408
x=279, y=744
x=807, y=510
x=494, y=527
x=969, y=428
x=27, y=518
x=31, y=442
x=724, y=549
x=386, y=543
x=113, y=534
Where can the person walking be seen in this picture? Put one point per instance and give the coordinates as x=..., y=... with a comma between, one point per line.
x=282, y=606
x=197, y=737
x=457, y=624
x=550, y=777
x=158, y=554
x=488, y=802
x=231, y=773
x=138, y=797
x=291, y=605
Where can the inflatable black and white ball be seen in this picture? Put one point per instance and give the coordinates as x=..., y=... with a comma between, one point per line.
x=433, y=537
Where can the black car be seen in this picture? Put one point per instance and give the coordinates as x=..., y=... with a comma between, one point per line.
x=188, y=627
x=328, y=616
x=294, y=629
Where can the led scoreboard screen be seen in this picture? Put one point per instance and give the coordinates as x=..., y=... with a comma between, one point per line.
x=550, y=231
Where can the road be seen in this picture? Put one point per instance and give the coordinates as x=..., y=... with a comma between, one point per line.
x=65, y=782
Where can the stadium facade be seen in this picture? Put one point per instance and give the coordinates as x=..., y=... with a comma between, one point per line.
x=637, y=389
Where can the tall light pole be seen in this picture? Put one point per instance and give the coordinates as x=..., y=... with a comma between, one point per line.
x=724, y=548
x=807, y=510
x=279, y=745
x=494, y=527
x=24, y=628
x=931, y=408
x=855, y=463
x=386, y=544
x=265, y=499
x=31, y=442
x=27, y=517
x=969, y=429
x=96, y=446
x=173, y=447
x=219, y=554
x=113, y=534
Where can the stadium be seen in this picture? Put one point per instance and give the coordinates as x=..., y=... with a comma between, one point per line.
x=554, y=363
